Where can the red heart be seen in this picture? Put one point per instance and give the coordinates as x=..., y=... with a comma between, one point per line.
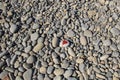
x=65, y=42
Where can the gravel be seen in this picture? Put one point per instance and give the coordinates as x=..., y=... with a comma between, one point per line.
x=59, y=40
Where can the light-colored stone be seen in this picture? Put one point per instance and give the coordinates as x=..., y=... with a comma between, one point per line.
x=38, y=47
x=70, y=33
x=83, y=40
x=79, y=60
x=34, y=36
x=13, y=28
x=31, y=59
x=27, y=75
x=59, y=71
x=68, y=73
x=100, y=76
x=88, y=33
x=43, y=70
x=104, y=57
x=115, y=31
x=35, y=26
x=71, y=52
x=55, y=42
x=107, y=42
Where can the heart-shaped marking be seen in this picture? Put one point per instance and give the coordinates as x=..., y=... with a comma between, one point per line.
x=65, y=42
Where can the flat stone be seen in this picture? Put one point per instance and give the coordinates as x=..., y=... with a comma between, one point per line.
x=70, y=33
x=100, y=76
x=34, y=36
x=83, y=40
x=115, y=54
x=40, y=77
x=27, y=75
x=18, y=78
x=113, y=47
x=3, y=74
x=59, y=71
x=71, y=52
x=38, y=47
x=28, y=49
x=68, y=73
x=81, y=67
x=13, y=59
x=71, y=78
x=88, y=33
x=31, y=59
x=57, y=78
x=115, y=31
x=35, y=26
x=91, y=13
x=107, y=42
x=79, y=60
x=13, y=28
x=50, y=69
x=102, y=2
x=118, y=46
x=104, y=57
x=55, y=42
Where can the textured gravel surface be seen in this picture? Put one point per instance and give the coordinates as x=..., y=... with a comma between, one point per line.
x=60, y=40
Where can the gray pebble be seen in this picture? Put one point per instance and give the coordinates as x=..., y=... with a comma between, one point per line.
x=40, y=77
x=70, y=33
x=107, y=42
x=31, y=59
x=113, y=47
x=57, y=78
x=115, y=31
x=18, y=78
x=34, y=36
x=115, y=54
x=28, y=49
x=118, y=46
x=13, y=28
x=104, y=57
x=71, y=78
x=59, y=71
x=3, y=74
x=81, y=67
x=3, y=53
x=68, y=73
x=35, y=26
x=88, y=33
x=27, y=75
x=13, y=59
x=50, y=69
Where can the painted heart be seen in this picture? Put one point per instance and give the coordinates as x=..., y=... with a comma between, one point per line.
x=65, y=42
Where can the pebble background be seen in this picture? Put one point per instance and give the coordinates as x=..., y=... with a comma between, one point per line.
x=31, y=32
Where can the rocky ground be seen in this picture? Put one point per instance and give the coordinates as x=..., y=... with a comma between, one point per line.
x=60, y=40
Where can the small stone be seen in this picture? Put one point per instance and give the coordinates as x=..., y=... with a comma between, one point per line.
x=115, y=54
x=28, y=49
x=31, y=59
x=113, y=47
x=55, y=42
x=100, y=76
x=57, y=78
x=50, y=69
x=102, y=2
x=107, y=42
x=18, y=78
x=13, y=28
x=13, y=59
x=35, y=26
x=40, y=77
x=83, y=40
x=115, y=31
x=91, y=13
x=81, y=67
x=27, y=75
x=1, y=33
x=70, y=33
x=68, y=73
x=104, y=57
x=118, y=46
x=38, y=47
x=88, y=33
x=71, y=78
x=34, y=36
x=16, y=64
x=59, y=71
x=71, y=52
x=64, y=43
x=3, y=74
x=79, y=60
x=42, y=70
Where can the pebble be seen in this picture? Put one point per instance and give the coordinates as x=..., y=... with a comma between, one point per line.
x=100, y=76
x=70, y=33
x=79, y=60
x=71, y=52
x=64, y=43
x=13, y=59
x=31, y=59
x=18, y=78
x=57, y=78
x=83, y=40
x=88, y=33
x=34, y=36
x=71, y=78
x=28, y=49
x=115, y=54
x=113, y=47
x=81, y=67
x=55, y=42
x=38, y=47
x=3, y=74
x=13, y=28
x=115, y=31
x=27, y=75
x=104, y=57
x=59, y=71
x=40, y=77
x=102, y=2
x=3, y=53
x=118, y=46
x=107, y=42
x=43, y=70
x=35, y=26
x=68, y=73
x=50, y=69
